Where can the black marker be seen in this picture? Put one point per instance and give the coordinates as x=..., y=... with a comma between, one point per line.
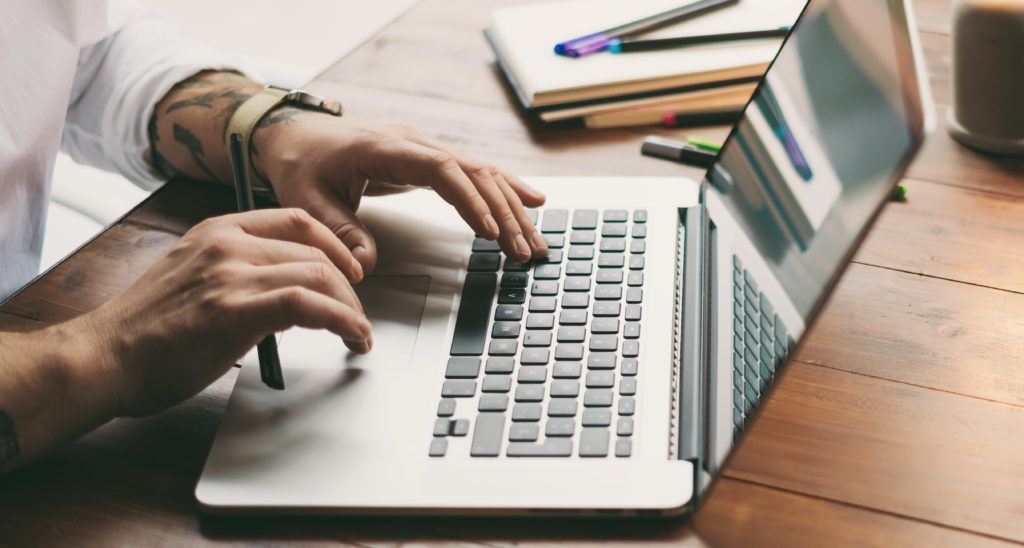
x=668, y=149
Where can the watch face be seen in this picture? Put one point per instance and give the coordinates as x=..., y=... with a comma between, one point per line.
x=315, y=102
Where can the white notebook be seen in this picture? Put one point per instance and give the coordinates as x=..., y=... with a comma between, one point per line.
x=524, y=38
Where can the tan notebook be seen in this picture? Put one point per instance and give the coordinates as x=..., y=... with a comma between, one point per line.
x=703, y=99
x=655, y=114
x=524, y=38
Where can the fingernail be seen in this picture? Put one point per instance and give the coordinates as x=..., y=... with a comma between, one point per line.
x=491, y=225
x=522, y=247
x=357, y=270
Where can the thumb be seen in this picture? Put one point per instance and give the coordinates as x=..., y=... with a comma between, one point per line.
x=341, y=219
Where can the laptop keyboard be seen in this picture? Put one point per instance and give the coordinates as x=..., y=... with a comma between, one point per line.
x=546, y=353
x=760, y=343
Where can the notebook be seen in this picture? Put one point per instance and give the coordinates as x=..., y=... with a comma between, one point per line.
x=523, y=38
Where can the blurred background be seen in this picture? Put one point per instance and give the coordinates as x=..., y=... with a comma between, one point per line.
x=265, y=36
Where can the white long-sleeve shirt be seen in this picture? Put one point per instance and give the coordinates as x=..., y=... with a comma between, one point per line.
x=80, y=76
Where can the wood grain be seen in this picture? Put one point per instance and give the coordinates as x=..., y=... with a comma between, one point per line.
x=935, y=456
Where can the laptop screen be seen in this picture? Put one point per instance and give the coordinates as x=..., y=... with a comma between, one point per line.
x=820, y=146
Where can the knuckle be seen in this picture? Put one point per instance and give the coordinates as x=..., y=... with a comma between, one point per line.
x=443, y=160
x=301, y=220
x=292, y=300
x=320, y=275
x=318, y=256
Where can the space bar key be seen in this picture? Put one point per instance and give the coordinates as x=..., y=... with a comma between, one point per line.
x=474, y=314
x=552, y=447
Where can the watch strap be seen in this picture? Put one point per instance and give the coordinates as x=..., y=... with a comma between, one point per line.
x=244, y=121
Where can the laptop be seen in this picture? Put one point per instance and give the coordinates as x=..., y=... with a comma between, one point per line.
x=616, y=376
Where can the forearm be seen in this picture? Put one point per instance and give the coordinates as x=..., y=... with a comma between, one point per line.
x=55, y=388
x=187, y=128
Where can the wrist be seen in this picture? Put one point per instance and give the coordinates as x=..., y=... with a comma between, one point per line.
x=270, y=151
x=89, y=359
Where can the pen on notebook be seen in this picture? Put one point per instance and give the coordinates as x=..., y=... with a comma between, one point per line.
x=270, y=362
x=702, y=118
x=776, y=119
x=629, y=45
x=668, y=149
x=598, y=41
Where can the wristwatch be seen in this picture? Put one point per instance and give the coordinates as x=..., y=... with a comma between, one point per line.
x=254, y=109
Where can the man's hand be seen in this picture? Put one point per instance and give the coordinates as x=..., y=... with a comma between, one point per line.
x=229, y=282
x=324, y=164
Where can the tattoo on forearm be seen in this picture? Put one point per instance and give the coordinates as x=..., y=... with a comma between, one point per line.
x=206, y=100
x=280, y=115
x=195, y=148
x=8, y=439
x=161, y=164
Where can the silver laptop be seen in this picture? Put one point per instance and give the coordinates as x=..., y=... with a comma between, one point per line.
x=616, y=376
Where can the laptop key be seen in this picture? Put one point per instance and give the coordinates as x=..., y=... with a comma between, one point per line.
x=499, y=366
x=474, y=314
x=505, y=330
x=438, y=446
x=629, y=367
x=607, y=308
x=640, y=216
x=579, y=268
x=636, y=262
x=526, y=412
x=545, y=288
x=594, y=442
x=540, y=321
x=601, y=360
x=631, y=330
x=615, y=245
x=567, y=370
x=532, y=214
x=483, y=244
x=609, y=276
x=554, y=256
x=597, y=417
x=634, y=295
x=562, y=407
x=608, y=292
x=543, y=304
x=571, y=333
x=584, y=218
x=604, y=343
x=581, y=253
x=569, y=351
x=627, y=386
x=487, y=435
x=535, y=356
x=636, y=279
x=537, y=338
x=507, y=312
x=495, y=383
x=577, y=283
x=554, y=220
x=630, y=348
x=613, y=230
x=462, y=368
x=637, y=247
x=560, y=427
x=583, y=237
x=484, y=262
x=493, y=402
x=604, y=325
x=523, y=431
x=633, y=312
x=441, y=426
x=623, y=447
x=446, y=407
x=639, y=231
x=458, y=389
x=555, y=241
x=530, y=393
x=532, y=374
x=572, y=317
x=551, y=447
x=511, y=295
x=547, y=272
x=515, y=279
x=627, y=406
x=564, y=388
x=503, y=347
x=516, y=266
x=598, y=397
x=611, y=260
x=616, y=216
x=600, y=379
x=459, y=427
x=575, y=300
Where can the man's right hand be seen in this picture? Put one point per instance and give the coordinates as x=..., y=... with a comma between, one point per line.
x=229, y=282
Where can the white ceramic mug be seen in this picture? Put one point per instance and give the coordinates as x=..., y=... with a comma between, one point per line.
x=988, y=75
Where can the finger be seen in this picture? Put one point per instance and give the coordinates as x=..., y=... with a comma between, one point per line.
x=320, y=277
x=537, y=244
x=339, y=218
x=510, y=232
x=283, y=308
x=266, y=253
x=296, y=225
x=530, y=196
x=406, y=162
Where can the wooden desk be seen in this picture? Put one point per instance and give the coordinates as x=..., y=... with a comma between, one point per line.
x=900, y=422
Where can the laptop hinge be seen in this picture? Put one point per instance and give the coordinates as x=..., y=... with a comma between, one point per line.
x=689, y=305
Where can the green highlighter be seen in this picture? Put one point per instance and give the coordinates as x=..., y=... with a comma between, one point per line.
x=703, y=144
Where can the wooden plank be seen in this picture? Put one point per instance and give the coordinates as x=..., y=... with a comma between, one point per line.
x=933, y=15
x=926, y=454
x=12, y=323
x=182, y=203
x=87, y=279
x=951, y=233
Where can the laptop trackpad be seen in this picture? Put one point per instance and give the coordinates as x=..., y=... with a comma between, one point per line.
x=393, y=303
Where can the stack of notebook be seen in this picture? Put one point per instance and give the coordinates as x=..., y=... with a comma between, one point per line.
x=614, y=90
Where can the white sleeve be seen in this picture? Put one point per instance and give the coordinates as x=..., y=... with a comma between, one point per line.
x=118, y=82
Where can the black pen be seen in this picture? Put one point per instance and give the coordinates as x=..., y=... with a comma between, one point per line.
x=270, y=362
x=627, y=45
x=703, y=118
x=668, y=149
